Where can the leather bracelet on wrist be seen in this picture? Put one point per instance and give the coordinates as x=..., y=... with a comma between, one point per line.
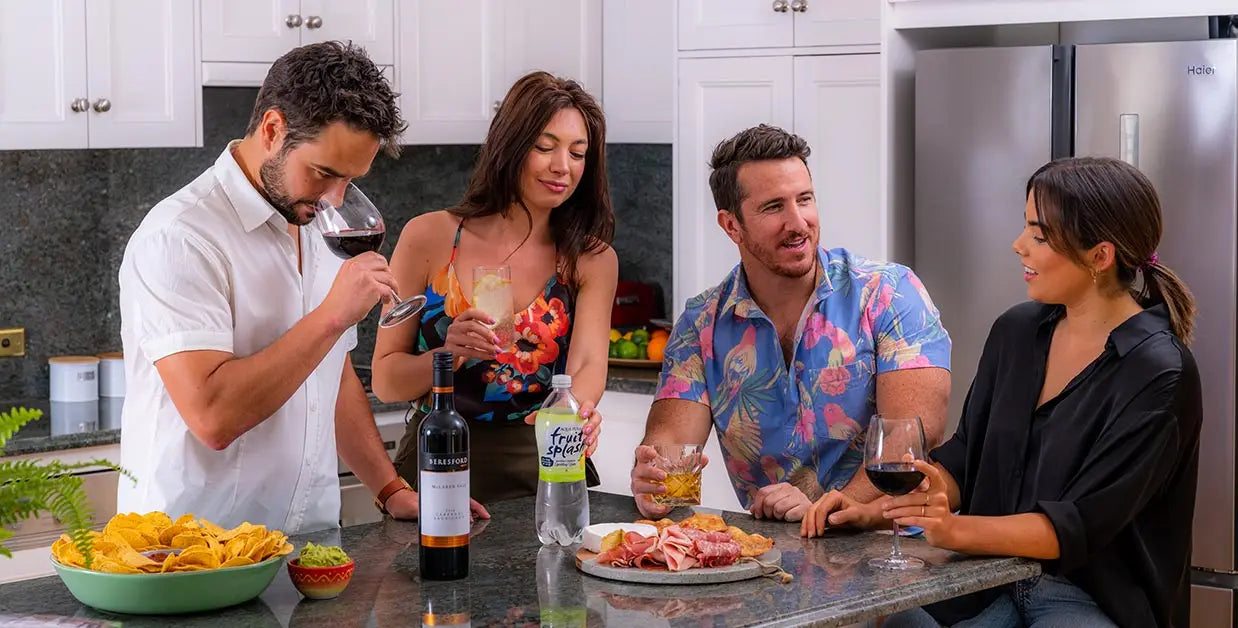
x=392, y=487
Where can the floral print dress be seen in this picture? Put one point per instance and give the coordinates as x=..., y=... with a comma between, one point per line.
x=509, y=388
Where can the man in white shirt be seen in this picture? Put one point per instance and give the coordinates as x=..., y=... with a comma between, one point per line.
x=237, y=321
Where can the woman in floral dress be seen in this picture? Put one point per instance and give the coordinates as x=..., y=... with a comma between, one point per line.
x=538, y=202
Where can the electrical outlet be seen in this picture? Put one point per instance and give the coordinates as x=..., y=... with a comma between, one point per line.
x=12, y=342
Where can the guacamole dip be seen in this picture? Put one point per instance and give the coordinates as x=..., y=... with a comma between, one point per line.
x=322, y=556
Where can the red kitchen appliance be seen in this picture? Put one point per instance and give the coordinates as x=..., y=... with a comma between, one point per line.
x=635, y=304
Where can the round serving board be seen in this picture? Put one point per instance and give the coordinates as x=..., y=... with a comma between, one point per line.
x=745, y=569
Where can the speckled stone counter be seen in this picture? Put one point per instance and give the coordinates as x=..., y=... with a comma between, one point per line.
x=36, y=436
x=632, y=380
x=516, y=582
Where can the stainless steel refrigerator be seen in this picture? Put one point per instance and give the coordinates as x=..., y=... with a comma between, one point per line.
x=986, y=118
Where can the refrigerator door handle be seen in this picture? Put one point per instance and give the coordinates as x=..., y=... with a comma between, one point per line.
x=1128, y=138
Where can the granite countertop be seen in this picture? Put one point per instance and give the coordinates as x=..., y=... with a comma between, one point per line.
x=515, y=581
x=36, y=436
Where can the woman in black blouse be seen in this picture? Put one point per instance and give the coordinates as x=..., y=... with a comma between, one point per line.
x=1079, y=440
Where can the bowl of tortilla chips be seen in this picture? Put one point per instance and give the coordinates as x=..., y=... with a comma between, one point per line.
x=151, y=565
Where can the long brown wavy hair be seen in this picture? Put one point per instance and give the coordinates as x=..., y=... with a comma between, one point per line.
x=585, y=222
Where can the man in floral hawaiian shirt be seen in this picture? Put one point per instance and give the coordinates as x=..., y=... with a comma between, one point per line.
x=796, y=349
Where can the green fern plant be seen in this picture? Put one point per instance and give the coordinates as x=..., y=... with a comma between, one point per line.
x=29, y=487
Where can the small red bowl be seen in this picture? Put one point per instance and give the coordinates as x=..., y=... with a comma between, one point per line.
x=320, y=583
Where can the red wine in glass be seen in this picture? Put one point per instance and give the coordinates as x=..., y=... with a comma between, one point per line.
x=349, y=243
x=356, y=227
x=894, y=478
x=888, y=449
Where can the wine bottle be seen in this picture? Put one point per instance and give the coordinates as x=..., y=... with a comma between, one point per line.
x=443, y=480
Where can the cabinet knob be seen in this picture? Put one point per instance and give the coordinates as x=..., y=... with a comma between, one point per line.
x=79, y=105
x=293, y=21
x=780, y=6
x=103, y=105
x=313, y=21
x=497, y=104
x=799, y=6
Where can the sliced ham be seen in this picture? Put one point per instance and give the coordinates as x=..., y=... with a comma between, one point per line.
x=678, y=548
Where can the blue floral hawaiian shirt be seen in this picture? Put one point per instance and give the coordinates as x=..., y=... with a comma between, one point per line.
x=804, y=425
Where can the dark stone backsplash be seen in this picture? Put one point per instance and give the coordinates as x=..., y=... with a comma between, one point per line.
x=68, y=214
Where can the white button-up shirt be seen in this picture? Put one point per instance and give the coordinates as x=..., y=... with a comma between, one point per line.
x=212, y=267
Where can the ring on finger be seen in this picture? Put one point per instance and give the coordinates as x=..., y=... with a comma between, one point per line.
x=922, y=510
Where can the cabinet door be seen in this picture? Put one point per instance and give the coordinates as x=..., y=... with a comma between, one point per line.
x=837, y=110
x=366, y=23
x=450, y=102
x=250, y=30
x=707, y=24
x=563, y=37
x=143, y=79
x=42, y=72
x=717, y=99
x=837, y=22
x=637, y=78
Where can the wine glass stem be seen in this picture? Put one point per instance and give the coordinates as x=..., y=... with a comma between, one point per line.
x=395, y=298
x=896, y=553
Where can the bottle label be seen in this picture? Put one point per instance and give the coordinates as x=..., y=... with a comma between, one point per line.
x=444, y=499
x=561, y=446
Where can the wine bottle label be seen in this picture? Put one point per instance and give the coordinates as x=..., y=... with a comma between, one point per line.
x=444, y=496
x=561, y=446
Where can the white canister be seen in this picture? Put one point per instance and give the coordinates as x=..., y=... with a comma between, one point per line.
x=73, y=378
x=111, y=375
x=73, y=417
x=109, y=412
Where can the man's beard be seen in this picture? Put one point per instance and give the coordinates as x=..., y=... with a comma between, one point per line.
x=271, y=173
x=768, y=257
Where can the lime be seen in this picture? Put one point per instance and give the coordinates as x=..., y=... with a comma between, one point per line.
x=628, y=350
x=614, y=350
x=640, y=336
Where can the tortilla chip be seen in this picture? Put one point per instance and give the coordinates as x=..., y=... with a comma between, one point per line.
x=704, y=523
x=750, y=544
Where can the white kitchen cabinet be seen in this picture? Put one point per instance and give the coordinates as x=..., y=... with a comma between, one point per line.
x=832, y=101
x=366, y=23
x=457, y=59
x=142, y=78
x=638, y=63
x=717, y=98
x=260, y=31
x=838, y=23
x=250, y=30
x=42, y=73
x=563, y=37
x=838, y=110
x=98, y=74
x=737, y=24
x=450, y=102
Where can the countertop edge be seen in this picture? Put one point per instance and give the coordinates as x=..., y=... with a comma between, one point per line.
x=891, y=601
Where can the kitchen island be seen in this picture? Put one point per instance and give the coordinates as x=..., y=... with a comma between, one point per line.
x=516, y=582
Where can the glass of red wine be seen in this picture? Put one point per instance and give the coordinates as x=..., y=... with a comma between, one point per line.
x=890, y=447
x=355, y=227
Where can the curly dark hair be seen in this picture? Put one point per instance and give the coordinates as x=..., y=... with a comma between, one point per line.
x=757, y=143
x=318, y=84
x=585, y=222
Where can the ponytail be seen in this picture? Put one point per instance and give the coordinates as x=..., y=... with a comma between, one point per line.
x=1162, y=285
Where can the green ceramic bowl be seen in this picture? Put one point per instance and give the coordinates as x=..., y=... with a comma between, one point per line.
x=169, y=593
